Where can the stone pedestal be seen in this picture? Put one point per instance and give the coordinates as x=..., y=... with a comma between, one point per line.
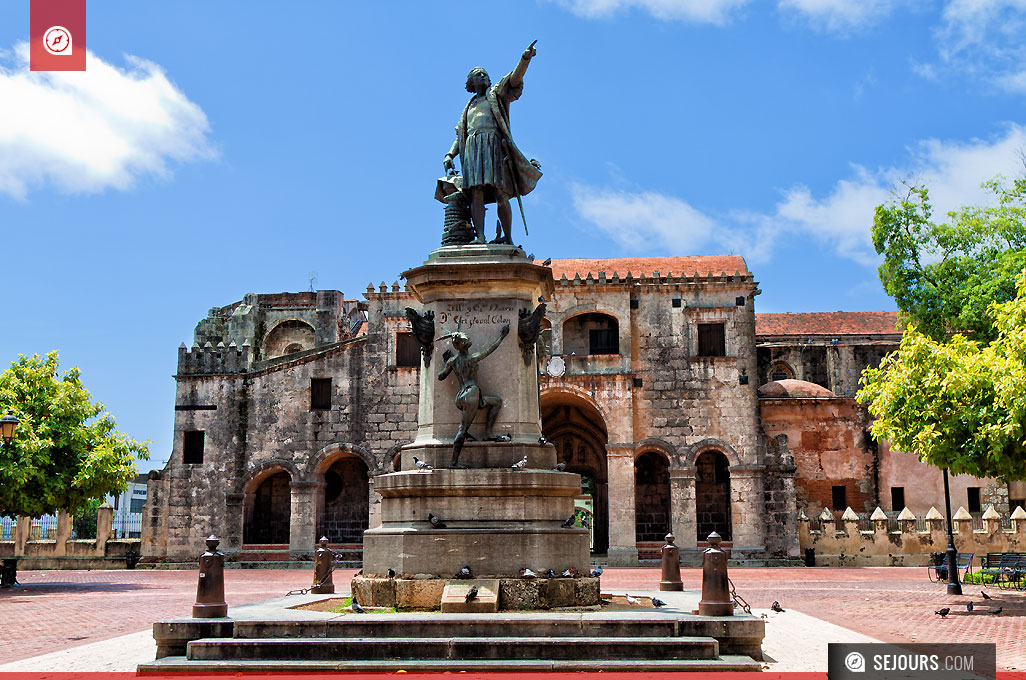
x=497, y=520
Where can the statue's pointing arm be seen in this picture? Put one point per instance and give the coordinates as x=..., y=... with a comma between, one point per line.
x=516, y=78
x=503, y=332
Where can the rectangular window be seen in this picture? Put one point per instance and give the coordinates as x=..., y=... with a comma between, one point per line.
x=973, y=497
x=407, y=350
x=320, y=394
x=137, y=505
x=840, y=498
x=712, y=340
x=603, y=341
x=192, y=447
x=897, y=498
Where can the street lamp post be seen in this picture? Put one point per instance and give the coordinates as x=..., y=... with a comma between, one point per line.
x=954, y=587
x=9, y=567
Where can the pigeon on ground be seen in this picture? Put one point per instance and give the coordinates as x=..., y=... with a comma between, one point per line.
x=597, y=571
x=632, y=600
x=543, y=440
x=568, y=522
x=985, y=595
x=391, y=573
x=472, y=593
x=464, y=572
x=357, y=608
x=656, y=602
x=943, y=612
x=421, y=465
x=969, y=606
x=776, y=607
x=435, y=522
x=527, y=573
x=551, y=574
x=997, y=611
x=547, y=262
x=360, y=573
x=520, y=464
x=566, y=573
x=502, y=438
x=560, y=467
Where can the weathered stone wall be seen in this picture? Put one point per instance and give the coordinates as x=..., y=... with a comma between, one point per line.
x=844, y=544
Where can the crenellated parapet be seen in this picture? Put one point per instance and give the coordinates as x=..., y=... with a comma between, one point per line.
x=907, y=540
x=213, y=360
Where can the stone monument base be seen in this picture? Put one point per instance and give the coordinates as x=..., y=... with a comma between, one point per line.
x=515, y=594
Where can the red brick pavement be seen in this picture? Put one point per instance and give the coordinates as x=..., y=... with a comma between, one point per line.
x=59, y=609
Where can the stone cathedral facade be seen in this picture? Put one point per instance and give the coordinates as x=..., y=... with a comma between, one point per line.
x=657, y=387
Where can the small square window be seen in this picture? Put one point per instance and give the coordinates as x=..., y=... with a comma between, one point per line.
x=634, y=304
x=973, y=498
x=407, y=351
x=712, y=340
x=840, y=498
x=675, y=302
x=638, y=382
x=897, y=498
x=739, y=301
x=192, y=447
x=320, y=394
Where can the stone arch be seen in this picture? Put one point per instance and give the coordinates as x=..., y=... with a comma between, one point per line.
x=591, y=332
x=651, y=495
x=286, y=334
x=575, y=393
x=323, y=458
x=267, y=503
x=780, y=370
x=662, y=446
x=712, y=495
x=576, y=426
x=690, y=454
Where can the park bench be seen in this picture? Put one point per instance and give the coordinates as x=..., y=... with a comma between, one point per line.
x=1006, y=568
x=939, y=572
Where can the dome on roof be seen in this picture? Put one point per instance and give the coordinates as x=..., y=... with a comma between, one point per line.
x=794, y=389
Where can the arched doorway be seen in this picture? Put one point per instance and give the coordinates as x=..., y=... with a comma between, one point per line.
x=268, y=509
x=578, y=431
x=344, y=513
x=651, y=497
x=712, y=495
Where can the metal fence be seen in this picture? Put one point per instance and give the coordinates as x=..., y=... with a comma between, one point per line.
x=7, y=528
x=124, y=525
x=127, y=525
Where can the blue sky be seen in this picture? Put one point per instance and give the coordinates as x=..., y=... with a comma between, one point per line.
x=215, y=149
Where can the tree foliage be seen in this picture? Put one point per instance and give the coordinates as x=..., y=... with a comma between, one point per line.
x=67, y=449
x=958, y=404
x=944, y=277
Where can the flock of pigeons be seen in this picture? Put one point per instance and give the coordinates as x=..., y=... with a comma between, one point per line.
x=971, y=607
x=519, y=465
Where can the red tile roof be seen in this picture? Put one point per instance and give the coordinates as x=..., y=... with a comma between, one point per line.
x=827, y=323
x=689, y=265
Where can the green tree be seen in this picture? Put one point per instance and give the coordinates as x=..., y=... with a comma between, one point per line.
x=944, y=277
x=67, y=450
x=958, y=404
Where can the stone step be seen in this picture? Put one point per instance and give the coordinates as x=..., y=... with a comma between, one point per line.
x=179, y=664
x=454, y=648
x=435, y=626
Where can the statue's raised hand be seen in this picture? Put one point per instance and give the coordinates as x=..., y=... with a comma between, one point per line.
x=530, y=51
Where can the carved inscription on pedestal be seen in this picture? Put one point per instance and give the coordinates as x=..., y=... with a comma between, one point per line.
x=468, y=314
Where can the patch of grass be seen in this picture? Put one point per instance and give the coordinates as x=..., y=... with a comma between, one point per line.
x=343, y=605
x=979, y=578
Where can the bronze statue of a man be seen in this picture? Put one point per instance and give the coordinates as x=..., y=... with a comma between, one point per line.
x=470, y=398
x=493, y=167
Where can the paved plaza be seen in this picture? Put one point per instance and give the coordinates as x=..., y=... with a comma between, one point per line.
x=100, y=620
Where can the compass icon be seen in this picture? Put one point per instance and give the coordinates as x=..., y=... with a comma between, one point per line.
x=57, y=41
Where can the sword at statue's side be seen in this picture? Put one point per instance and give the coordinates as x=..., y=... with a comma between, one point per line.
x=516, y=185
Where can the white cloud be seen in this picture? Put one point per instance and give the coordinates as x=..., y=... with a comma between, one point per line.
x=89, y=131
x=985, y=39
x=698, y=11
x=839, y=221
x=839, y=15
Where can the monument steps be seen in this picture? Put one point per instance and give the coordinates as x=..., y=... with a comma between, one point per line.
x=725, y=663
x=454, y=648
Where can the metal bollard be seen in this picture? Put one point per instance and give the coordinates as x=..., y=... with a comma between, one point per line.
x=323, y=563
x=210, y=602
x=671, y=566
x=715, y=589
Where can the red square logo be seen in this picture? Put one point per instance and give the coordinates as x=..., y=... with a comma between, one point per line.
x=57, y=35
